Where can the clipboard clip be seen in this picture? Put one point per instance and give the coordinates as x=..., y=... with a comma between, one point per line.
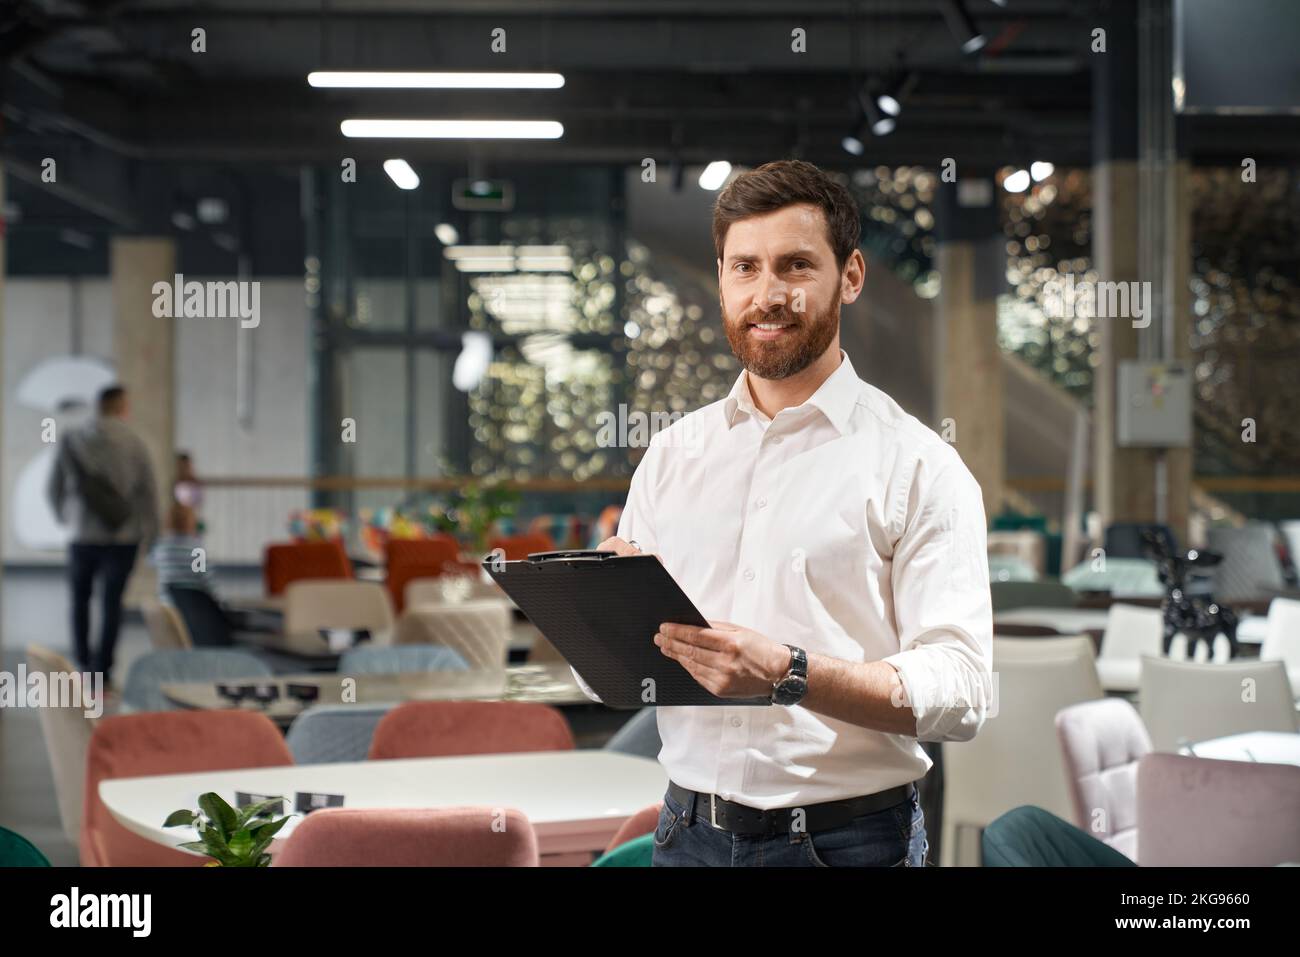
x=581, y=554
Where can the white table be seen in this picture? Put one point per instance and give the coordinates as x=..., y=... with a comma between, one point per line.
x=1267, y=747
x=1068, y=621
x=576, y=800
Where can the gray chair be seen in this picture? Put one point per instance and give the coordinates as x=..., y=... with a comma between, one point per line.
x=395, y=659
x=149, y=672
x=1250, y=568
x=1039, y=594
x=334, y=732
x=640, y=735
x=1185, y=702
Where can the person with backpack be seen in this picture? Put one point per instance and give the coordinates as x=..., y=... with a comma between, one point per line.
x=103, y=486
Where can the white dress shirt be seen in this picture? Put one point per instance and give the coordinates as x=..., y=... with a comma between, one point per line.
x=842, y=526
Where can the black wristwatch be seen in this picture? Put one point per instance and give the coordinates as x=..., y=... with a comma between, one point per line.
x=794, y=685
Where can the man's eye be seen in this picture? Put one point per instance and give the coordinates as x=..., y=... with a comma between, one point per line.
x=742, y=266
x=801, y=264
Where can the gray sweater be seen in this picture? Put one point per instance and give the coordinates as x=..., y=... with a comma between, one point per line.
x=109, y=447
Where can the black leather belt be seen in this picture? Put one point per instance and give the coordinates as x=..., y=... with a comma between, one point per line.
x=742, y=819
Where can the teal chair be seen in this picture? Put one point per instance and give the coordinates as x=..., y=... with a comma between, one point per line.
x=637, y=852
x=17, y=851
x=1031, y=837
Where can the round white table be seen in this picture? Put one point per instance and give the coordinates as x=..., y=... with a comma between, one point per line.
x=576, y=800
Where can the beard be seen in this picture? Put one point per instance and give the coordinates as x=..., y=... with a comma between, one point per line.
x=795, y=350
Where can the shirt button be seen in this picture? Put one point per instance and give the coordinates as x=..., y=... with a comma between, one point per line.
x=777, y=440
x=761, y=503
x=737, y=722
x=749, y=574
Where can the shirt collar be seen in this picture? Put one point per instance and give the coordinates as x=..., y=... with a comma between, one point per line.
x=835, y=398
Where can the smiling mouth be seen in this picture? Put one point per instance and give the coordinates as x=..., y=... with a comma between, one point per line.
x=769, y=330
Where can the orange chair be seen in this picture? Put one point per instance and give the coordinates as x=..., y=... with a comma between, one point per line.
x=432, y=729
x=643, y=821
x=518, y=547
x=409, y=558
x=287, y=562
x=416, y=837
x=166, y=742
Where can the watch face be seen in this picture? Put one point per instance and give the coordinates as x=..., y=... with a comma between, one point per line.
x=790, y=689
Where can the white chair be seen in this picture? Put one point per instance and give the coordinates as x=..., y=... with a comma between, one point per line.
x=67, y=739
x=1015, y=758
x=1184, y=702
x=479, y=630
x=312, y=605
x=166, y=628
x=1131, y=632
x=1282, y=640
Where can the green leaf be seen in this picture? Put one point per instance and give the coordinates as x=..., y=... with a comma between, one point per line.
x=195, y=846
x=241, y=843
x=214, y=839
x=219, y=812
x=264, y=860
x=179, y=818
x=246, y=814
x=269, y=830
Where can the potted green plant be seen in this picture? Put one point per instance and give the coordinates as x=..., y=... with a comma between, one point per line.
x=231, y=837
x=473, y=510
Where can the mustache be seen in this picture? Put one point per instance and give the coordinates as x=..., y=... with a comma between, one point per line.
x=755, y=316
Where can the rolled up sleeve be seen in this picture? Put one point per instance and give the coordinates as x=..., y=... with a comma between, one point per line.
x=943, y=607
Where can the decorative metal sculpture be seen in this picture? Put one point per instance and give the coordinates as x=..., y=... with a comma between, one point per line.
x=1197, y=616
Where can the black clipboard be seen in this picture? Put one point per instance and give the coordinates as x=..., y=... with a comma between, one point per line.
x=601, y=611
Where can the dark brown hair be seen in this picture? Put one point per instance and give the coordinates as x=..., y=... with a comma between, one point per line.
x=110, y=399
x=783, y=183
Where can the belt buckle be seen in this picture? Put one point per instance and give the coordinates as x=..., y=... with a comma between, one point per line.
x=713, y=810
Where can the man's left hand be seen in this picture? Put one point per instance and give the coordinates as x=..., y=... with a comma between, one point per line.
x=729, y=661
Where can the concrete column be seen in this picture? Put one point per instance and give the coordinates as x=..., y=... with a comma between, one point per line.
x=968, y=372
x=1125, y=480
x=144, y=356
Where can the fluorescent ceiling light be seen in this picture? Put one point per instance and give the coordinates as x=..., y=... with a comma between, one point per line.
x=478, y=252
x=400, y=172
x=715, y=174
x=446, y=234
x=453, y=129
x=416, y=80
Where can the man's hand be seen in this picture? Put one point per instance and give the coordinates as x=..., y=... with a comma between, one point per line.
x=616, y=544
x=729, y=661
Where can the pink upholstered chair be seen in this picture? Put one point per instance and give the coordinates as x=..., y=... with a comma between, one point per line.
x=427, y=729
x=166, y=742
x=423, y=837
x=643, y=821
x=1197, y=812
x=1102, y=742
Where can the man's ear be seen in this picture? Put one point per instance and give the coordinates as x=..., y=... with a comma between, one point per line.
x=853, y=277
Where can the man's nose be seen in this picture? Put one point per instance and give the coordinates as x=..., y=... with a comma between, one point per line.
x=773, y=291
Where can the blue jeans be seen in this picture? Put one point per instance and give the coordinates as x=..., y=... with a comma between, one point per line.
x=893, y=837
